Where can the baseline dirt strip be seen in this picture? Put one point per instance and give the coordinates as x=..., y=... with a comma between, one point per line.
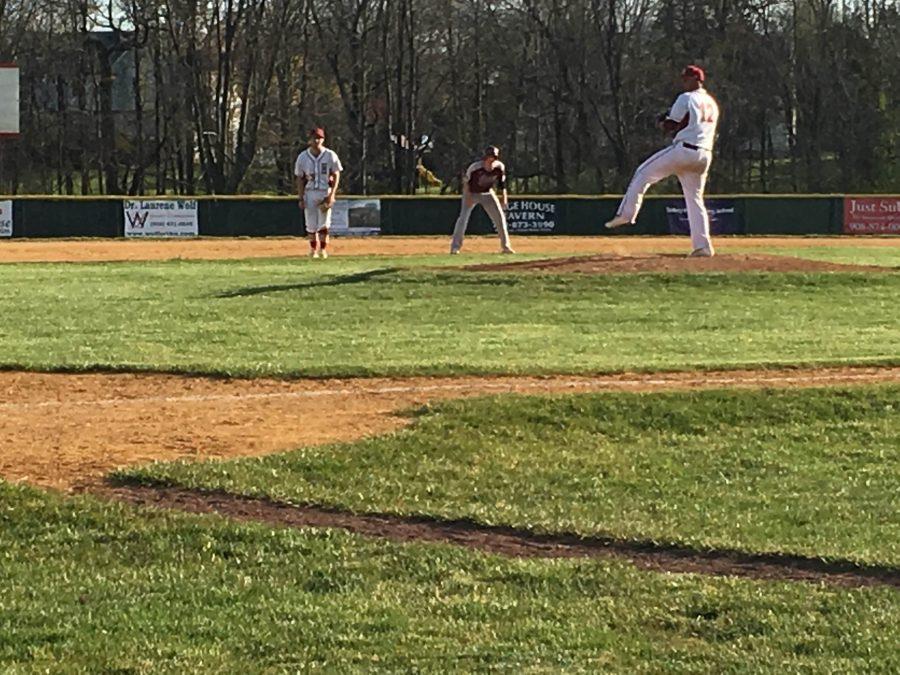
x=66, y=431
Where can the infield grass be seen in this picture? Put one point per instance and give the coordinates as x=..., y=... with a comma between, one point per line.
x=97, y=587
x=367, y=316
x=884, y=256
x=813, y=472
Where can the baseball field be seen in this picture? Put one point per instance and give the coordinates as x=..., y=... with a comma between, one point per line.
x=594, y=456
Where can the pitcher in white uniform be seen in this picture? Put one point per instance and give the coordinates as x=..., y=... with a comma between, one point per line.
x=693, y=117
x=318, y=172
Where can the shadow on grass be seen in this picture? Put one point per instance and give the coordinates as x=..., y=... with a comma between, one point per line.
x=358, y=278
x=503, y=540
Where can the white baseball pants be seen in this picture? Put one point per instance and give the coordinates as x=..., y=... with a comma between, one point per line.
x=315, y=218
x=692, y=167
x=491, y=205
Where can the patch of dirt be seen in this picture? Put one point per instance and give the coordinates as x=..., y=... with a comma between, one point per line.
x=66, y=431
x=669, y=263
x=92, y=250
x=512, y=542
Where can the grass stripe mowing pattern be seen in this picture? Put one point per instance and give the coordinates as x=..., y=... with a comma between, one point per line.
x=364, y=317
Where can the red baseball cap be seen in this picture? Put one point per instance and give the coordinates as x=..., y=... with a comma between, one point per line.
x=317, y=132
x=694, y=71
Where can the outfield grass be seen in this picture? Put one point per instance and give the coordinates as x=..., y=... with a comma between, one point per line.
x=812, y=472
x=93, y=587
x=884, y=256
x=365, y=317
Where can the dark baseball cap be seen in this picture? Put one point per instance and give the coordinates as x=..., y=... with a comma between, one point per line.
x=492, y=151
x=695, y=72
x=317, y=132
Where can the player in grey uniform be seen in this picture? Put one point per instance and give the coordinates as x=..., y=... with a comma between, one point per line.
x=478, y=188
x=318, y=172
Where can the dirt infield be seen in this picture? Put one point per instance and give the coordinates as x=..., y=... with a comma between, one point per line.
x=92, y=250
x=673, y=263
x=67, y=431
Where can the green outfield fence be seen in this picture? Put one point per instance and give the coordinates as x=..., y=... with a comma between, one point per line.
x=250, y=216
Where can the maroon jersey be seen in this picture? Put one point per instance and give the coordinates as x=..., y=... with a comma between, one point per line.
x=481, y=180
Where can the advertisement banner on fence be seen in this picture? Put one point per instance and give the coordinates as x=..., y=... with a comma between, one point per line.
x=6, y=221
x=872, y=215
x=530, y=215
x=356, y=217
x=161, y=218
x=722, y=217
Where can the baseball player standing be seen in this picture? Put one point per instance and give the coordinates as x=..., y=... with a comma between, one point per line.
x=318, y=172
x=693, y=117
x=478, y=188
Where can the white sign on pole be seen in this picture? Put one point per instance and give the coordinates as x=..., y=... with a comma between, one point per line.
x=161, y=218
x=6, y=218
x=9, y=99
x=356, y=217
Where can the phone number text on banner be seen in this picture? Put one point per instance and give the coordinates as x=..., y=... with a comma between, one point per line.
x=161, y=218
x=872, y=215
x=529, y=215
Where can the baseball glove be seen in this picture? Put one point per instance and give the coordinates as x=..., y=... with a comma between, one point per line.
x=662, y=117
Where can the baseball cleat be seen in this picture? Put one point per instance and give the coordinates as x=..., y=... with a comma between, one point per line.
x=618, y=221
x=454, y=251
x=313, y=253
x=701, y=253
x=507, y=249
x=324, y=253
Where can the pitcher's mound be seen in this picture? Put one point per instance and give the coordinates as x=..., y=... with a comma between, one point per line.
x=731, y=262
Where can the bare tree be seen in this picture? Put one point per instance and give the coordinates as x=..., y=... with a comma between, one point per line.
x=183, y=96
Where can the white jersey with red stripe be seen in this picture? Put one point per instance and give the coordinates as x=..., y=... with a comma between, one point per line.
x=698, y=113
x=318, y=170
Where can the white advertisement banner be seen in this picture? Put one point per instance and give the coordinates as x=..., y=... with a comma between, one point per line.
x=529, y=215
x=356, y=217
x=6, y=221
x=161, y=218
x=9, y=99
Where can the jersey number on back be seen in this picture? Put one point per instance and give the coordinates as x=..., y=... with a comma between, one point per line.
x=707, y=112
